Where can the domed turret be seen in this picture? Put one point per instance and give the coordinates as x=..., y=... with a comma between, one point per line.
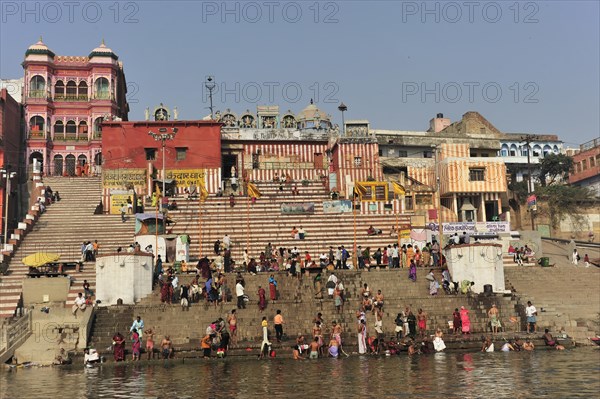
x=103, y=51
x=39, y=49
x=312, y=117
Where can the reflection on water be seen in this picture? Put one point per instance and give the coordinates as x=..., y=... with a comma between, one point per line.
x=540, y=374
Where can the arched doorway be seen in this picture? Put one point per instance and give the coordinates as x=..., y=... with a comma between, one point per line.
x=36, y=155
x=70, y=165
x=82, y=166
x=58, y=165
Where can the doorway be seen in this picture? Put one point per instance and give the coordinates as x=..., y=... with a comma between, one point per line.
x=491, y=210
x=229, y=161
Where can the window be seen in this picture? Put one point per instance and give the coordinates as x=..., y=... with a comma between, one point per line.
x=485, y=155
x=473, y=154
x=427, y=154
x=380, y=152
x=584, y=164
x=592, y=162
x=181, y=153
x=476, y=174
x=357, y=161
x=150, y=154
x=408, y=203
x=402, y=154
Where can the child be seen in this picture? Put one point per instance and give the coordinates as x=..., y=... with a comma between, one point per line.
x=206, y=345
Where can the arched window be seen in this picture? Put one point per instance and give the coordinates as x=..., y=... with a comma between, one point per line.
x=36, y=126
x=58, y=165
x=59, y=90
x=513, y=150
x=102, y=89
x=83, y=128
x=555, y=150
x=82, y=91
x=547, y=150
x=504, y=150
x=98, y=126
x=59, y=127
x=71, y=90
x=37, y=87
x=71, y=127
x=537, y=150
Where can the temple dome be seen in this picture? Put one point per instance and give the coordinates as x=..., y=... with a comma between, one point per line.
x=103, y=51
x=39, y=48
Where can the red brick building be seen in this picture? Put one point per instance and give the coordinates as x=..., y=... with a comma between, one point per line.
x=10, y=150
x=133, y=159
x=66, y=99
x=586, y=166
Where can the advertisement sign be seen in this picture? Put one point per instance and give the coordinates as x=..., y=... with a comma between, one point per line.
x=305, y=208
x=339, y=206
x=120, y=178
x=186, y=177
x=118, y=199
x=472, y=228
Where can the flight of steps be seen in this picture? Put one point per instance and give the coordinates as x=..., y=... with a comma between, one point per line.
x=268, y=225
x=62, y=229
x=299, y=307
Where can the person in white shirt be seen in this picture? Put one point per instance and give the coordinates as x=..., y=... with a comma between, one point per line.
x=138, y=324
x=239, y=292
x=226, y=241
x=79, y=304
x=395, y=257
x=531, y=312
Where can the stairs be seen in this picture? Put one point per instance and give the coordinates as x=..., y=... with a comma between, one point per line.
x=567, y=297
x=62, y=229
x=298, y=306
x=267, y=224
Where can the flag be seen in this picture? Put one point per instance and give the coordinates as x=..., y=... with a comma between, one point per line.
x=253, y=191
x=203, y=192
x=359, y=190
x=398, y=188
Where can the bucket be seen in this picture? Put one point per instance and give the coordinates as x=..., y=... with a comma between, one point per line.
x=545, y=261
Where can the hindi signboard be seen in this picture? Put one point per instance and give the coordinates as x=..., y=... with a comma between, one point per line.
x=123, y=177
x=186, y=177
x=472, y=228
x=118, y=199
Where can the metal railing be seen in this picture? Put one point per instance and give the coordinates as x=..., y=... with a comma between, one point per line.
x=37, y=94
x=70, y=97
x=103, y=96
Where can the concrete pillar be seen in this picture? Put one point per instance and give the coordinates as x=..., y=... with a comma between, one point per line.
x=483, y=217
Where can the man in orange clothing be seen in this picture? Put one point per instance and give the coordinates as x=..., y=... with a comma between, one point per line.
x=278, y=321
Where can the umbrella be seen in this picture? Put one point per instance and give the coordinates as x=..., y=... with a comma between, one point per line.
x=40, y=259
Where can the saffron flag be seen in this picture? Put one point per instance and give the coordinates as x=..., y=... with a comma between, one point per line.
x=398, y=188
x=203, y=192
x=359, y=190
x=253, y=191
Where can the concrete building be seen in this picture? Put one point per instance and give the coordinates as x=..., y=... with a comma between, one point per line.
x=14, y=87
x=66, y=99
x=586, y=166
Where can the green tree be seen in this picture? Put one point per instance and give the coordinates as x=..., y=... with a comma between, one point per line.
x=554, y=168
x=563, y=201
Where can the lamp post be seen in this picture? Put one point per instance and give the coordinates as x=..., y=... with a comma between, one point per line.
x=343, y=108
x=210, y=86
x=163, y=136
x=6, y=174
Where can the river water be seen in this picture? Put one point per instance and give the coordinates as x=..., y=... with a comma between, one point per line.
x=541, y=374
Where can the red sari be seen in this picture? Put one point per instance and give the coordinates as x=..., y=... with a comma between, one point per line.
x=119, y=347
x=262, y=299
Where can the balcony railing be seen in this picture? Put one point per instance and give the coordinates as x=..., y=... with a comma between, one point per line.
x=70, y=97
x=97, y=136
x=70, y=137
x=103, y=96
x=37, y=94
x=36, y=134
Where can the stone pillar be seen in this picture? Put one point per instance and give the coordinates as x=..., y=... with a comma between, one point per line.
x=482, y=196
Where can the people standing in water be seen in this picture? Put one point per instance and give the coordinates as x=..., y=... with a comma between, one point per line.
x=362, y=336
x=422, y=323
x=465, y=322
x=232, y=321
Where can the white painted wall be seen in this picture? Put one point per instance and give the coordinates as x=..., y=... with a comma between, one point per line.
x=480, y=263
x=127, y=276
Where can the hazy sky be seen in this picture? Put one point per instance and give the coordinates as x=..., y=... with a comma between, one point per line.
x=525, y=66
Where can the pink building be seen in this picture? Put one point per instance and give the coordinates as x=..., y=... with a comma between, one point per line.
x=66, y=99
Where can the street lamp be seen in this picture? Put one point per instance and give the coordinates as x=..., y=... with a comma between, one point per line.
x=210, y=86
x=163, y=136
x=6, y=174
x=343, y=109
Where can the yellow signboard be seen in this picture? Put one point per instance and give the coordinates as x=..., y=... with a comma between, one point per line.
x=186, y=177
x=119, y=199
x=120, y=178
x=404, y=234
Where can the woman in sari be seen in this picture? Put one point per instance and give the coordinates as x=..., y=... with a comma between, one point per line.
x=164, y=292
x=410, y=253
x=403, y=257
x=272, y=288
x=136, y=345
x=412, y=274
x=465, y=321
x=118, y=347
x=262, y=298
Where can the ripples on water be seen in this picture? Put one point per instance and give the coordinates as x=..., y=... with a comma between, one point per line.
x=542, y=374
